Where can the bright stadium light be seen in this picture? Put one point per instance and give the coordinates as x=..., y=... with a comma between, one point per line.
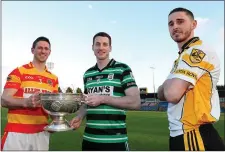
x=153, y=68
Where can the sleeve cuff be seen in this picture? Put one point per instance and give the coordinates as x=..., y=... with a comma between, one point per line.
x=183, y=77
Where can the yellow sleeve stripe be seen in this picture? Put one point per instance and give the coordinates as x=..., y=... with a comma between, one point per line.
x=14, y=78
x=186, y=73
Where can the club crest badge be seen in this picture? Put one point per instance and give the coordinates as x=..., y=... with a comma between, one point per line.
x=197, y=56
x=50, y=82
x=111, y=76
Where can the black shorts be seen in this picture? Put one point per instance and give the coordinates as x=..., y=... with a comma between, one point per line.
x=205, y=138
x=92, y=146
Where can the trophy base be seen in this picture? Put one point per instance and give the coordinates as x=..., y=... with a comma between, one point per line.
x=56, y=126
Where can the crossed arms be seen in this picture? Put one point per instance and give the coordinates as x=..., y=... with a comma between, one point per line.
x=172, y=90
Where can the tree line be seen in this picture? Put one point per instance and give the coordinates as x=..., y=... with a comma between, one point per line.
x=70, y=90
x=78, y=90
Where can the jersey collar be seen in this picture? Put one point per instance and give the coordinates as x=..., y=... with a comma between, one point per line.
x=110, y=64
x=189, y=43
x=32, y=66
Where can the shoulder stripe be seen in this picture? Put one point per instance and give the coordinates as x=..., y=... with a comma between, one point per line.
x=203, y=65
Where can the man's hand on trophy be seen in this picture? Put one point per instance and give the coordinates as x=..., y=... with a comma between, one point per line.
x=76, y=122
x=94, y=100
x=33, y=101
x=83, y=98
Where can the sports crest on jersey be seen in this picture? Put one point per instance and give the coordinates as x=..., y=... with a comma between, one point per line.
x=110, y=76
x=50, y=82
x=197, y=56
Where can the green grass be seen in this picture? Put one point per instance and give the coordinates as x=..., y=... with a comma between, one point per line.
x=147, y=130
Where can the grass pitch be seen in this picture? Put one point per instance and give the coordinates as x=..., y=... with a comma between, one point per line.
x=147, y=131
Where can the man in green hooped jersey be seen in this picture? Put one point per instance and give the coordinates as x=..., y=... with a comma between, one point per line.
x=111, y=89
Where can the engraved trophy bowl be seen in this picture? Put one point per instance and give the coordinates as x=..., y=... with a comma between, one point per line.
x=58, y=105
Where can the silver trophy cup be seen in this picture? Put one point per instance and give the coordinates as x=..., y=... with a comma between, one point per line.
x=58, y=105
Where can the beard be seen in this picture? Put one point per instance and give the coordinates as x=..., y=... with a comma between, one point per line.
x=183, y=37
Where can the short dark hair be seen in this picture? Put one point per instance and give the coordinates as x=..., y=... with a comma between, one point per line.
x=103, y=34
x=41, y=38
x=180, y=9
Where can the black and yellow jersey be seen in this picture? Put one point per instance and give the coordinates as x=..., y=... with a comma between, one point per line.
x=199, y=65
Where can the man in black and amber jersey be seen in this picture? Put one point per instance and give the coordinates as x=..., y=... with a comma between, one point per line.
x=190, y=88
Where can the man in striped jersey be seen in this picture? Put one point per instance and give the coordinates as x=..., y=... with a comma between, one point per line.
x=191, y=90
x=26, y=118
x=111, y=89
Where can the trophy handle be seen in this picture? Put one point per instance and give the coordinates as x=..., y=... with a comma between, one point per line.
x=83, y=101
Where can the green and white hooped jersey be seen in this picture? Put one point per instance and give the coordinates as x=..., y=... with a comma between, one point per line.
x=107, y=124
